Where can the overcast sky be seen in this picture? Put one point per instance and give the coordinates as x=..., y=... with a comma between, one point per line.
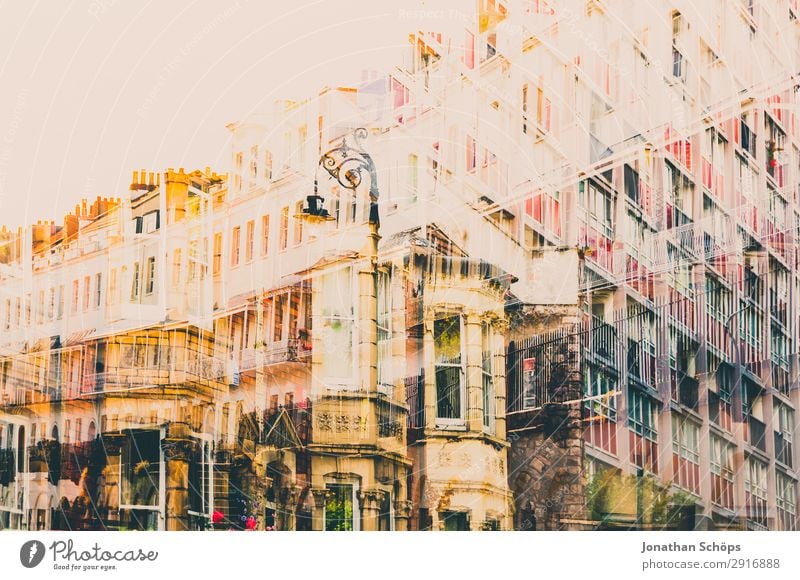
x=91, y=90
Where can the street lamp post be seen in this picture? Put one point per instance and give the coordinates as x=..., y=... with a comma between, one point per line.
x=349, y=164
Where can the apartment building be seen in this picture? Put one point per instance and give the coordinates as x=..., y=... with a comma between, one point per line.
x=577, y=311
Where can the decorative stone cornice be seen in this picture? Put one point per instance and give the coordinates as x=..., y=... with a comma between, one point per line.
x=371, y=498
x=402, y=509
x=178, y=449
x=321, y=496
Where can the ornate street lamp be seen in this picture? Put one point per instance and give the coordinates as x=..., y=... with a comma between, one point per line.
x=347, y=164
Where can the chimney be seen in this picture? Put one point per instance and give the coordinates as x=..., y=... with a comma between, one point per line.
x=177, y=194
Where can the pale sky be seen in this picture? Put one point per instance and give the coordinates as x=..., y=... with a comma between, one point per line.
x=93, y=89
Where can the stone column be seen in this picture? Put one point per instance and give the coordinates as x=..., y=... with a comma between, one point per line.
x=498, y=341
x=104, y=479
x=367, y=315
x=473, y=353
x=370, y=509
x=429, y=362
x=318, y=516
x=221, y=483
x=402, y=513
x=178, y=449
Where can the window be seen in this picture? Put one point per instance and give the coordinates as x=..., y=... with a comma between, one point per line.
x=686, y=453
x=217, y=265
x=786, y=500
x=413, y=176
x=59, y=311
x=87, y=292
x=140, y=464
x=176, y=267
x=755, y=493
x=150, y=275
x=280, y=315
x=543, y=110
x=253, y=164
x=237, y=178
x=298, y=224
x=471, y=154
x=268, y=165
x=40, y=308
x=722, y=490
x=283, y=239
x=51, y=306
x=28, y=304
x=601, y=394
x=249, y=236
x=135, y=282
x=341, y=508
x=111, y=297
x=449, y=369
x=385, y=377
x=337, y=324
x=678, y=70
x=150, y=222
x=783, y=422
x=487, y=376
x=264, y=235
x=98, y=290
x=236, y=245
x=642, y=414
x=599, y=204
x=455, y=521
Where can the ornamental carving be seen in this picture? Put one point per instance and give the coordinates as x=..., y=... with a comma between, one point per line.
x=341, y=423
x=178, y=449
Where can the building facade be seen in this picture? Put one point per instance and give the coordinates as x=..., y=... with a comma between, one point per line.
x=578, y=310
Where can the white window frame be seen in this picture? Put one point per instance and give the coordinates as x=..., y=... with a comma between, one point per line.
x=355, y=484
x=490, y=413
x=447, y=422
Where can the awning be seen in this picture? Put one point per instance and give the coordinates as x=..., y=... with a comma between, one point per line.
x=78, y=337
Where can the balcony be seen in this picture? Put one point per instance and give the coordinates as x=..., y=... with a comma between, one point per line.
x=180, y=367
x=756, y=433
x=290, y=350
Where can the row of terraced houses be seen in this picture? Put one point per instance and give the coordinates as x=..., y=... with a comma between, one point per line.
x=579, y=308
